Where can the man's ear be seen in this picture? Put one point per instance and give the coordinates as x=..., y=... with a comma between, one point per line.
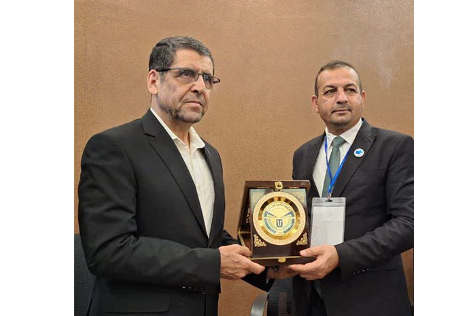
x=153, y=79
x=363, y=98
x=314, y=103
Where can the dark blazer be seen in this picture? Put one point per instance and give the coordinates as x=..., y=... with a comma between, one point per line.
x=378, y=188
x=142, y=227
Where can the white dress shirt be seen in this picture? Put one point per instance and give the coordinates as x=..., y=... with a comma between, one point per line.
x=320, y=167
x=198, y=168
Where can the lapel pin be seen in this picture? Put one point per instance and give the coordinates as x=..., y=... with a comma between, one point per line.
x=358, y=152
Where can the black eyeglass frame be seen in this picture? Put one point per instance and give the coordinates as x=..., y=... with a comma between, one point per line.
x=215, y=79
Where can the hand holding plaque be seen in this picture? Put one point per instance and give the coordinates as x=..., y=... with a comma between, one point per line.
x=274, y=222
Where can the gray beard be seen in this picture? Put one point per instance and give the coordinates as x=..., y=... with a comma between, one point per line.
x=177, y=114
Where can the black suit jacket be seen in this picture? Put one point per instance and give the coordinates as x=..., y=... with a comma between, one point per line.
x=378, y=188
x=142, y=226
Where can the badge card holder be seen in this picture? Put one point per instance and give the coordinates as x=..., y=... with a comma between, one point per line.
x=327, y=221
x=328, y=214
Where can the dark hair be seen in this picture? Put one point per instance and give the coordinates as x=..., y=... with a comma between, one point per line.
x=163, y=53
x=335, y=64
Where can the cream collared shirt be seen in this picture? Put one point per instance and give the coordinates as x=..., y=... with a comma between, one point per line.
x=320, y=168
x=198, y=168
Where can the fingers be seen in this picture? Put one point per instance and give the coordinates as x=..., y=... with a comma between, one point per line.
x=242, y=266
x=299, y=268
x=235, y=263
x=255, y=268
x=327, y=260
x=308, y=271
x=242, y=250
x=311, y=252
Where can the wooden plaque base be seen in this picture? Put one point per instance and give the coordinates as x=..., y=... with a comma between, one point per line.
x=274, y=221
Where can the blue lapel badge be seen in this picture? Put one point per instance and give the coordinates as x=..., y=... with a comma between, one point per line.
x=358, y=152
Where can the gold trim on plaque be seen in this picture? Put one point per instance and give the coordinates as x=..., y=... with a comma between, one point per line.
x=267, y=258
x=303, y=240
x=259, y=242
x=241, y=238
x=279, y=218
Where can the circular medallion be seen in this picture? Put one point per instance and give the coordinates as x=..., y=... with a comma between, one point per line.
x=279, y=218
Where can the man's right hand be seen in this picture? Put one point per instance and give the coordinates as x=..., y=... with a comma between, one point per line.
x=235, y=263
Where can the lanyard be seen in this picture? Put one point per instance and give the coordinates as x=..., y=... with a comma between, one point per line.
x=333, y=179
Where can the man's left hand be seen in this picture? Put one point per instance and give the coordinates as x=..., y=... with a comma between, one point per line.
x=327, y=260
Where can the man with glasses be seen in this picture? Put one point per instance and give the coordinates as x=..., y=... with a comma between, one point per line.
x=151, y=199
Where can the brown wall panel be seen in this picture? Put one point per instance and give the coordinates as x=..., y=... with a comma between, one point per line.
x=267, y=54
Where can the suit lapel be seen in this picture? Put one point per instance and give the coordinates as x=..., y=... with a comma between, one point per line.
x=363, y=140
x=215, y=168
x=311, y=161
x=168, y=152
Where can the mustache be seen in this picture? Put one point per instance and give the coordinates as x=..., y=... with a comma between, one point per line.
x=177, y=110
x=194, y=100
x=341, y=107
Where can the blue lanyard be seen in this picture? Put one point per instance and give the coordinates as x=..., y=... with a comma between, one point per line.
x=333, y=179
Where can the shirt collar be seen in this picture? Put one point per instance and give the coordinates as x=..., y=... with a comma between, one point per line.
x=349, y=135
x=195, y=140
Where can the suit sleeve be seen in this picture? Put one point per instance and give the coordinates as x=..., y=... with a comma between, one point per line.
x=296, y=159
x=257, y=280
x=112, y=245
x=396, y=234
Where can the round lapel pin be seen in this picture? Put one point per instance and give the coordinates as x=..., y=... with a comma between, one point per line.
x=358, y=152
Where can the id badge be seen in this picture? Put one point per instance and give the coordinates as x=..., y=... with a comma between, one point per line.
x=327, y=221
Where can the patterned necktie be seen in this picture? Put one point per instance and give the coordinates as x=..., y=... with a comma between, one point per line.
x=334, y=162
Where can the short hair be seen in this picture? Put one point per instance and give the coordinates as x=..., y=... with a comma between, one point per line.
x=336, y=64
x=164, y=52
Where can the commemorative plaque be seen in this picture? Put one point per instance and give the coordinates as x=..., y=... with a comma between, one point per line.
x=274, y=221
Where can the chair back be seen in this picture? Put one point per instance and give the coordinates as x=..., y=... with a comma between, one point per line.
x=280, y=298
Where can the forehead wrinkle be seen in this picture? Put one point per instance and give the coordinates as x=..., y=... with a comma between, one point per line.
x=329, y=86
x=336, y=85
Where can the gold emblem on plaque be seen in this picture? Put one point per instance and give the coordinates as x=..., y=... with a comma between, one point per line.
x=259, y=242
x=279, y=218
x=303, y=240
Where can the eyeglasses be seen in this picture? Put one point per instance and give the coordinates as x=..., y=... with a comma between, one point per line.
x=187, y=76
